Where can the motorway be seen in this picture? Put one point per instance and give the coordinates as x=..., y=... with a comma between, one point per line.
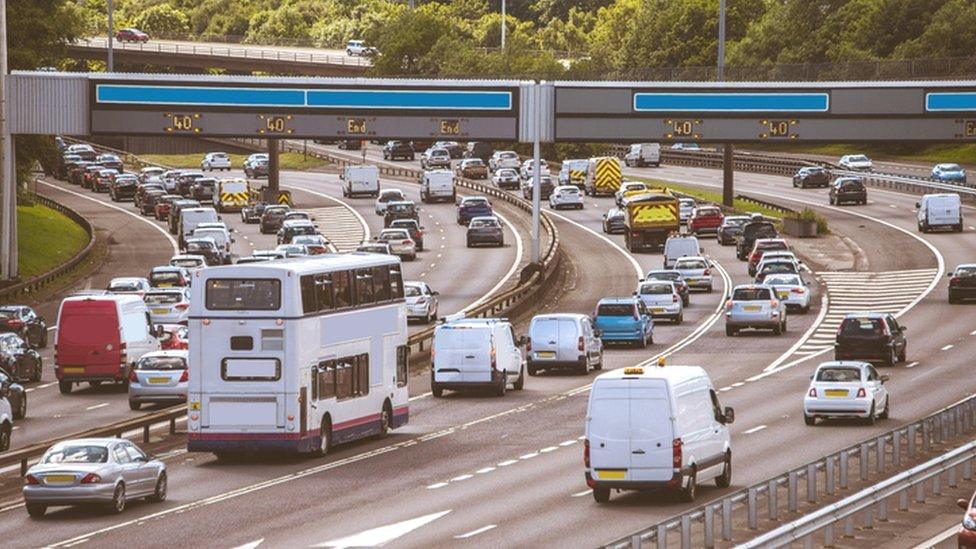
x=509, y=471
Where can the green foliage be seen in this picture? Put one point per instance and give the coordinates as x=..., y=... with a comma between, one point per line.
x=45, y=239
x=809, y=214
x=161, y=19
x=279, y=25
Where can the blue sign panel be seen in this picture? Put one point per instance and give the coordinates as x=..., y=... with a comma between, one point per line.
x=950, y=101
x=411, y=99
x=199, y=96
x=731, y=102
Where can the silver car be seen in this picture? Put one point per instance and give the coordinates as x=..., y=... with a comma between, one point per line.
x=661, y=298
x=696, y=271
x=421, y=301
x=400, y=243
x=159, y=377
x=168, y=305
x=791, y=290
x=566, y=196
x=685, y=207
x=86, y=471
x=754, y=306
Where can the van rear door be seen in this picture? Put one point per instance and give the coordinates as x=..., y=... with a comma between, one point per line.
x=651, y=431
x=608, y=431
x=463, y=355
x=89, y=339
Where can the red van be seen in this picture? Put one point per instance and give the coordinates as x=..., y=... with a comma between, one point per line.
x=99, y=336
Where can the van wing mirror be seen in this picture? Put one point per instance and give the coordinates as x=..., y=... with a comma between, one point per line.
x=962, y=504
x=522, y=341
x=598, y=332
x=729, y=415
x=885, y=377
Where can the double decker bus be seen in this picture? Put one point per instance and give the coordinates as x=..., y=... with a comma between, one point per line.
x=296, y=355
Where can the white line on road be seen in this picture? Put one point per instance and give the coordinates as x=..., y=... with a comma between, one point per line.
x=473, y=533
x=755, y=429
x=548, y=449
x=911, y=364
x=437, y=485
x=97, y=406
x=581, y=494
x=947, y=347
x=508, y=462
x=567, y=443
x=529, y=456
x=459, y=478
x=485, y=470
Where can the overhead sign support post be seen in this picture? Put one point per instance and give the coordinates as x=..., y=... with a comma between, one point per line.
x=8, y=172
x=535, y=126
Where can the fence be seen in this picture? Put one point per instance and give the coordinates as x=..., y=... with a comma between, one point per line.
x=822, y=477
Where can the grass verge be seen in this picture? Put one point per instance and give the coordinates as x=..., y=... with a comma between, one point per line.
x=287, y=161
x=46, y=239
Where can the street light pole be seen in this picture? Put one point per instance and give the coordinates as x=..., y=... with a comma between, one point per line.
x=8, y=183
x=721, y=41
x=503, y=24
x=728, y=177
x=111, y=62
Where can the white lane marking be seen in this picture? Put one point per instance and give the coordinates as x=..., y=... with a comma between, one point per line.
x=633, y=262
x=508, y=462
x=972, y=333
x=911, y=364
x=939, y=538
x=164, y=232
x=485, y=470
x=251, y=545
x=418, y=397
x=360, y=218
x=947, y=347
x=473, y=533
x=755, y=429
x=738, y=384
x=97, y=406
x=459, y=478
x=567, y=443
x=529, y=455
x=725, y=389
x=437, y=485
x=581, y=494
x=377, y=537
x=511, y=270
x=548, y=449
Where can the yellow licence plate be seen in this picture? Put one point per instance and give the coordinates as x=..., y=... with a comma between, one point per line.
x=159, y=380
x=611, y=475
x=160, y=311
x=783, y=295
x=657, y=309
x=836, y=392
x=752, y=308
x=74, y=370
x=58, y=479
x=545, y=354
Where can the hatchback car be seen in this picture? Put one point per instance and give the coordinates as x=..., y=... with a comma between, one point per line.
x=375, y=248
x=775, y=266
x=159, y=377
x=128, y=285
x=293, y=250
x=252, y=213
x=100, y=471
x=754, y=306
x=811, y=176
x=131, y=35
x=962, y=285
x=168, y=305
x=14, y=394
x=685, y=207
x=189, y=262
x=175, y=337
x=413, y=227
x=169, y=276
x=163, y=206
x=386, y=196
x=856, y=162
x=203, y=189
x=673, y=276
x=624, y=320
x=472, y=168
x=662, y=299
x=485, y=230
x=705, y=219
x=400, y=243
x=102, y=180
x=24, y=321
x=759, y=249
x=506, y=178
x=792, y=290
x=294, y=227
x=398, y=149
x=527, y=169
x=503, y=159
x=315, y=243
x=696, y=271
x=566, y=196
x=122, y=187
x=847, y=190
x=405, y=209
x=471, y=207
x=206, y=247
x=871, y=337
x=614, y=221
x=147, y=206
x=563, y=341
x=953, y=173
x=215, y=161
x=846, y=390
x=435, y=158
x=19, y=359
x=421, y=301
x=546, y=186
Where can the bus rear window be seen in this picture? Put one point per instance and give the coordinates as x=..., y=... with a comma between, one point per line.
x=243, y=294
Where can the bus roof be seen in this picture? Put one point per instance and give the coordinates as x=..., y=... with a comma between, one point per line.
x=308, y=265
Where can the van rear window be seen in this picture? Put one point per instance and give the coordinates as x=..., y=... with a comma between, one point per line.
x=243, y=294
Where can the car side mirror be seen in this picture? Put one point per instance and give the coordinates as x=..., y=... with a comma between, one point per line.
x=918, y=205
x=729, y=415
x=159, y=331
x=634, y=294
x=423, y=228
x=885, y=377
x=948, y=275
x=811, y=376
x=220, y=218
x=962, y=504
x=5, y=390
x=435, y=293
x=903, y=328
x=233, y=240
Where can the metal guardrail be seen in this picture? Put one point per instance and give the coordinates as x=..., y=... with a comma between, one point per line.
x=873, y=501
x=823, y=478
x=16, y=291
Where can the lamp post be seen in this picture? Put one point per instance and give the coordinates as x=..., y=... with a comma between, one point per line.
x=111, y=62
x=503, y=24
x=728, y=177
x=8, y=183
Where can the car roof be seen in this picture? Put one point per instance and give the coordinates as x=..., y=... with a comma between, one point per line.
x=866, y=314
x=751, y=287
x=849, y=363
x=560, y=316
x=101, y=441
x=616, y=301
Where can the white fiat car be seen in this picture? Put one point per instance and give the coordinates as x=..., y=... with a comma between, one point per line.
x=846, y=389
x=566, y=196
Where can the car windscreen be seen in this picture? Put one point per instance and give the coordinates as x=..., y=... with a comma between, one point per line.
x=400, y=208
x=655, y=289
x=163, y=298
x=779, y=267
x=615, y=309
x=387, y=197
x=386, y=236
x=201, y=247
x=750, y=294
x=76, y=453
x=708, y=212
x=480, y=223
x=507, y=172
x=839, y=375
x=861, y=326
x=690, y=264
x=161, y=363
x=759, y=230
x=243, y=294
x=124, y=286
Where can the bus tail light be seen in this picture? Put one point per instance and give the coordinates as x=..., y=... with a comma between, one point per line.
x=580, y=344
x=676, y=457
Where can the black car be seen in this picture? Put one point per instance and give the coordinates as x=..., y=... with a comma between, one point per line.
x=401, y=209
x=67, y=162
x=679, y=282
x=471, y=208
x=848, y=189
x=23, y=321
x=205, y=247
x=252, y=212
x=256, y=168
x=15, y=394
x=203, y=189
x=18, y=359
x=613, y=221
x=811, y=176
x=485, y=230
x=871, y=337
x=149, y=199
x=294, y=227
x=272, y=217
x=102, y=181
x=110, y=161
x=758, y=228
x=350, y=144
x=546, y=187
x=144, y=188
x=962, y=283
x=413, y=227
x=185, y=182
x=76, y=171
x=730, y=228
x=123, y=186
x=398, y=149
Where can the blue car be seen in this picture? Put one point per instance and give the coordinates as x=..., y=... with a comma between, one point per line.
x=624, y=319
x=949, y=172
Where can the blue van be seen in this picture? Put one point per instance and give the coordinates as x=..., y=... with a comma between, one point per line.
x=624, y=319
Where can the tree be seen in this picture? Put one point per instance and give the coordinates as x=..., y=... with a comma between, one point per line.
x=951, y=32
x=284, y=24
x=161, y=20
x=406, y=40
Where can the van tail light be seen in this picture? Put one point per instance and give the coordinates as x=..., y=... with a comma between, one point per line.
x=185, y=376
x=494, y=361
x=674, y=298
x=528, y=345
x=91, y=478
x=133, y=377
x=31, y=479
x=861, y=393
x=580, y=345
x=586, y=453
x=676, y=457
x=812, y=393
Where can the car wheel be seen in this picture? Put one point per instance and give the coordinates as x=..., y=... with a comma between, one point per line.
x=533, y=370
x=520, y=382
x=21, y=411
x=135, y=406
x=892, y=358
x=601, y=495
x=685, y=300
x=778, y=329
x=687, y=494
x=38, y=371
x=872, y=418
x=386, y=416
x=503, y=386
x=886, y=413
x=902, y=354
x=43, y=344
x=118, y=499
x=36, y=510
x=805, y=309
x=159, y=494
x=809, y=420
x=64, y=387
x=725, y=479
x=730, y=331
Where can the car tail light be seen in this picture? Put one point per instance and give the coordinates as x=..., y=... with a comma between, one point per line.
x=774, y=303
x=707, y=272
x=754, y=257
x=676, y=457
x=528, y=345
x=406, y=242
x=133, y=377
x=580, y=344
x=728, y=305
x=953, y=281
x=674, y=298
x=91, y=478
x=813, y=393
x=797, y=291
x=636, y=314
x=185, y=376
x=586, y=453
x=31, y=479
x=15, y=323
x=861, y=393
x=182, y=306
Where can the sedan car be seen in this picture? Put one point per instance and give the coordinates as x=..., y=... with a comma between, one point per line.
x=696, y=271
x=871, y=337
x=614, y=221
x=951, y=173
x=962, y=284
x=413, y=227
x=506, y=178
x=754, y=306
x=527, y=169
x=685, y=207
x=21, y=361
x=775, y=266
x=23, y=320
x=215, y=161
x=675, y=277
x=662, y=299
x=386, y=196
x=472, y=168
x=272, y=218
x=421, y=301
x=190, y=262
x=15, y=394
x=168, y=305
x=566, y=196
x=435, y=158
x=705, y=219
x=856, y=162
x=811, y=176
x=485, y=230
x=99, y=471
x=123, y=186
x=131, y=35
x=791, y=289
x=846, y=389
x=849, y=190
x=129, y=285
x=400, y=243
x=159, y=377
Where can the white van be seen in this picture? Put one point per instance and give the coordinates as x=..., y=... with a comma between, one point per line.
x=643, y=154
x=437, y=185
x=191, y=217
x=937, y=211
x=360, y=181
x=563, y=341
x=656, y=427
x=680, y=246
x=476, y=353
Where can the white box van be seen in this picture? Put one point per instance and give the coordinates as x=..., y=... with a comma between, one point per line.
x=191, y=217
x=680, y=246
x=361, y=181
x=476, y=354
x=563, y=341
x=643, y=154
x=656, y=427
x=437, y=185
x=936, y=211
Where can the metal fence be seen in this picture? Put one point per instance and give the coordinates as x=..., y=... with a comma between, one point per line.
x=822, y=478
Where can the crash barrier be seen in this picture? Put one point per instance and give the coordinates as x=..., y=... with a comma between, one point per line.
x=823, y=477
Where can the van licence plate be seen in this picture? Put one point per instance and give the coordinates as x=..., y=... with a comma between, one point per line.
x=545, y=354
x=752, y=308
x=74, y=370
x=160, y=311
x=783, y=295
x=612, y=475
x=657, y=309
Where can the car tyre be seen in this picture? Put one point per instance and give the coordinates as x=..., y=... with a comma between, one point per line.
x=520, y=382
x=778, y=329
x=64, y=387
x=902, y=355
x=36, y=510
x=118, y=500
x=436, y=390
x=725, y=479
x=892, y=358
x=135, y=406
x=21, y=411
x=872, y=415
x=680, y=318
x=886, y=413
x=687, y=494
x=601, y=495
x=159, y=493
x=730, y=331
x=810, y=420
x=38, y=371
x=503, y=386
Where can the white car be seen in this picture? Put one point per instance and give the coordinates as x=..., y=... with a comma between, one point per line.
x=387, y=196
x=421, y=301
x=6, y=423
x=696, y=271
x=661, y=298
x=776, y=266
x=685, y=207
x=400, y=243
x=528, y=168
x=129, y=285
x=625, y=188
x=189, y=262
x=168, y=305
x=506, y=178
x=358, y=48
x=293, y=250
x=856, y=162
x=215, y=161
x=566, y=196
x=791, y=289
x=503, y=159
x=846, y=389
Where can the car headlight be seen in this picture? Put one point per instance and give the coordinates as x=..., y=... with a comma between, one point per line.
x=969, y=523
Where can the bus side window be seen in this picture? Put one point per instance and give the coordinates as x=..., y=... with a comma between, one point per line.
x=344, y=378
x=343, y=289
x=309, y=304
x=362, y=375
x=381, y=283
x=323, y=289
x=325, y=380
x=402, y=365
x=364, y=286
x=396, y=282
